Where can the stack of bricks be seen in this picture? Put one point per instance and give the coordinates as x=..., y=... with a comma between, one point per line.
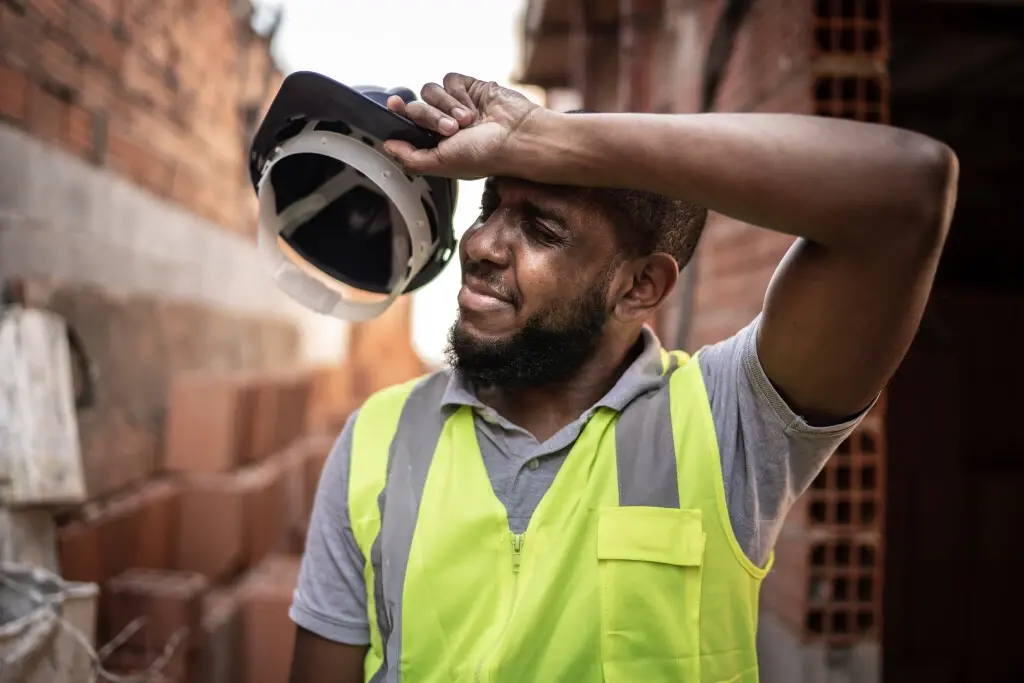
x=197, y=566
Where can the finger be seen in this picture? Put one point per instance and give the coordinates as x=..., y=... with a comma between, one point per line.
x=397, y=105
x=457, y=86
x=431, y=117
x=437, y=97
x=413, y=160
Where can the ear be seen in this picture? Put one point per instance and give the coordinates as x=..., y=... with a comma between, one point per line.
x=644, y=285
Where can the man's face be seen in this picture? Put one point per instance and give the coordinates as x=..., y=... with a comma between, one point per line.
x=534, y=300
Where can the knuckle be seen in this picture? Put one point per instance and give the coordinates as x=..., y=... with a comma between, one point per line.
x=439, y=156
x=423, y=113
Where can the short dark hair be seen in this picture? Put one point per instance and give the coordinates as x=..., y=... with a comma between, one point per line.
x=646, y=222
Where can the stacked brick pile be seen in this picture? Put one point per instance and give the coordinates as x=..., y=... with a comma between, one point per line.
x=206, y=554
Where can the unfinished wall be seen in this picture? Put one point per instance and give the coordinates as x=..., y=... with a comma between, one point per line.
x=161, y=92
x=768, y=71
x=124, y=204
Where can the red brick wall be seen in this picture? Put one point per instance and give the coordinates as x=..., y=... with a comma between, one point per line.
x=769, y=71
x=153, y=90
x=164, y=95
x=157, y=93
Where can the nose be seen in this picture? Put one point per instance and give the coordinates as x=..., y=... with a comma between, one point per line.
x=487, y=243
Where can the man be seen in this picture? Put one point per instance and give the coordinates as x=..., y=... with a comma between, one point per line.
x=570, y=502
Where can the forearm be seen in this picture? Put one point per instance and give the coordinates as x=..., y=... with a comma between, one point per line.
x=832, y=181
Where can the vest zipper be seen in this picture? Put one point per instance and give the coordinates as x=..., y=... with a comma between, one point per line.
x=517, y=559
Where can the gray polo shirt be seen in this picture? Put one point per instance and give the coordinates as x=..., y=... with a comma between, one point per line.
x=769, y=456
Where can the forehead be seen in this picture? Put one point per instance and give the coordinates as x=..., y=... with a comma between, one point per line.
x=570, y=204
x=515, y=189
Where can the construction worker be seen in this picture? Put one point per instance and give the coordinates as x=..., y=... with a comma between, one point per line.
x=571, y=502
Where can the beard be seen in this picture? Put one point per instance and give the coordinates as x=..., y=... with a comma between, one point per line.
x=550, y=349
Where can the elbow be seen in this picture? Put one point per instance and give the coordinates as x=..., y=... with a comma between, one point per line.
x=938, y=171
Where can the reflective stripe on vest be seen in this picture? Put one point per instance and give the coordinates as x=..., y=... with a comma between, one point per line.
x=667, y=595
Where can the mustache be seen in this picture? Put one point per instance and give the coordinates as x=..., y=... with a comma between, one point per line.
x=491, y=278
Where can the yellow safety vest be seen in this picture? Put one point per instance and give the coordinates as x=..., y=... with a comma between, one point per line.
x=628, y=571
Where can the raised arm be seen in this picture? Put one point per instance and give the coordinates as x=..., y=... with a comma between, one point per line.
x=871, y=205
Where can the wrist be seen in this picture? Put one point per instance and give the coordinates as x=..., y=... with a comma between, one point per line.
x=534, y=147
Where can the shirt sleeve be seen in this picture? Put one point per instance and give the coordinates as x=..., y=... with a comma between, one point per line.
x=330, y=599
x=770, y=455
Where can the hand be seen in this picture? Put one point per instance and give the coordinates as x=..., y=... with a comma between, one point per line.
x=479, y=120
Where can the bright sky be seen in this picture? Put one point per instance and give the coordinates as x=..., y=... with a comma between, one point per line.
x=408, y=42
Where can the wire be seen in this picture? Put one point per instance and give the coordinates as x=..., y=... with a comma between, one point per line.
x=152, y=673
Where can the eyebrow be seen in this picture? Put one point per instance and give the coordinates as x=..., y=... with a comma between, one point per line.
x=491, y=188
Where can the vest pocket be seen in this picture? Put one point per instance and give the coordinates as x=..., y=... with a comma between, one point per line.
x=649, y=565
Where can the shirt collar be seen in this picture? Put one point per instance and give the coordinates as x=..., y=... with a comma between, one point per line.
x=643, y=375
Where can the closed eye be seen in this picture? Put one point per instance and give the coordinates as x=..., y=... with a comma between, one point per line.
x=541, y=233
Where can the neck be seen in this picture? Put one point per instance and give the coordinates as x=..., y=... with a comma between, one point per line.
x=543, y=411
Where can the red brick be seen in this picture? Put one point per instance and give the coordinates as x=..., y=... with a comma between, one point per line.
x=22, y=34
x=143, y=79
x=98, y=89
x=117, y=521
x=134, y=159
x=158, y=131
x=13, y=93
x=207, y=416
x=294, y=394
x=268, y=632
x=58, y=62
x=232, y=521
x=78, y=131
x=46, y=113
x=134, y=529
x=211, y=539
x=169, y=603
x=222, y=638
x=79, y=551
x=265, y=509
x=124, y=154
x=158, y=520
x=184, y=185
x=108, y=10
x=93, y=39
x=266, y=397
x=53, y=12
